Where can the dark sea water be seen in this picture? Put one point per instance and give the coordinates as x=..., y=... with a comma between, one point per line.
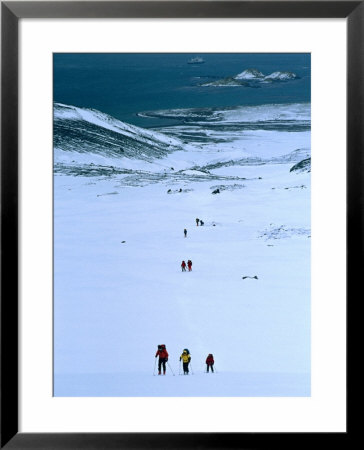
x=124, y=85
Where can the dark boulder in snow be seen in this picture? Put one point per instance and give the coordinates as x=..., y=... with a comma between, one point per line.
x=302, y=166
x=216, y=191
x=226, y=187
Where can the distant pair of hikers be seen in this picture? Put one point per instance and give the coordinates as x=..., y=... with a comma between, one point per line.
x=189, y=265
x=163, y=358
x=186, y=359
x=199, y=221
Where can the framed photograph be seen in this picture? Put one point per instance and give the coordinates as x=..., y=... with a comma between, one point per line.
x=181, y=187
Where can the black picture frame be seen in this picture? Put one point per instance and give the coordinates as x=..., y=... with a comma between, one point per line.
x=11, y=12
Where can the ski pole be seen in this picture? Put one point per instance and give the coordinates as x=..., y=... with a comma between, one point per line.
x=170, y=367
x=179, y=369
x=191, y=368
x=155, y=363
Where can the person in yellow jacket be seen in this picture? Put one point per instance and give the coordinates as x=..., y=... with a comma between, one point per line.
x=185, y=358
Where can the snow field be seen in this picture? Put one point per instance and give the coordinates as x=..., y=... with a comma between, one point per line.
x=115, y=302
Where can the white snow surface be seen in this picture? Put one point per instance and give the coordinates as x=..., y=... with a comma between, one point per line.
x=119, y=290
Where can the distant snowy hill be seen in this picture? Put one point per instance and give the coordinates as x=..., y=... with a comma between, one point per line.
x=253, y=78
x=249, y=74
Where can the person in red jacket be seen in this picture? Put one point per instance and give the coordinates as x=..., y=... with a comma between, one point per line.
x=189, y=264
x=163, y=358
x=183, y=265
x=210, y=362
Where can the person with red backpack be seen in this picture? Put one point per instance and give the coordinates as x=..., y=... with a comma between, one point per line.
x=163, y=358
x=189, y=264
x=210, y=362
x=183, y=265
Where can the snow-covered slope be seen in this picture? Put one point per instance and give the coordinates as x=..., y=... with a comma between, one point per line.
x=118, y=245
x=81, y=130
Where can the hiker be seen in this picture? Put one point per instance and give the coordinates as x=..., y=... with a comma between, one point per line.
x=189, y=264
x=163, y=358
x=183, y=265
x=185, y=232
x=202, y=223
x=186, y=358
x=197, y=221
x=210, y=362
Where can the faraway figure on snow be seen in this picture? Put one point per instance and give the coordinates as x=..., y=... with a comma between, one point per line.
x=183, y=265
x=210, y=362
x=197, y=221
x=186, y=358
x=185, y=232
x=189, y=264
x=163, y=358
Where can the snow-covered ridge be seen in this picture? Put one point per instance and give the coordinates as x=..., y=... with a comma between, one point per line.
x=88, y=130
x=302, y=166
x=93, y=116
